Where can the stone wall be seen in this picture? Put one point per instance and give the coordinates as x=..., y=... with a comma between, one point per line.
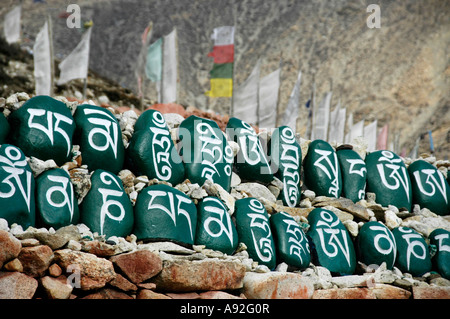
x=72, y=260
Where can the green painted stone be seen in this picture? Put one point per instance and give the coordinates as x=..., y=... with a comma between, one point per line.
x=413, y=255
x=286, y=160
x=106, y=209
x=205, y=152
x=4, y=129
x=164, y=213
x=99, y=136
x=441, y=260
x=322, y=171
x=56, y=203
x=253, y=227
x=17, y=188
x=331, y=245
x=291, y=243
x=429, y=187
x=388, y=178
x=375, y=244
x=251, y=162
x=215, y=229
x=43, y=127
x=354, y=171
x=151, y=151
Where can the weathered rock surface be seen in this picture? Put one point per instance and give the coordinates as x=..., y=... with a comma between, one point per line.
x=181, y=275
x=94, y=272
x=139, y=265
x=276, y=285
x=15, y=285
x=9, y=247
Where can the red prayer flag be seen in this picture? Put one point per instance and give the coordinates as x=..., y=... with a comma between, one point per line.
x=382, y=138
x=223, y=54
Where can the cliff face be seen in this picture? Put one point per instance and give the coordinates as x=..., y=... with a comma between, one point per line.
x=397, y=74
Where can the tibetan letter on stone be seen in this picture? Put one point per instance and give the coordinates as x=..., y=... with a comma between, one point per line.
x=17, y=187
x=151, y=151
x=322, y=171
x=441, y=260
x=332, y=246
x=429, y=187
x=286, y=157
x=388, y=178
x=56, y=203
x=107, y=209
x=215, y=229
x=354, y=172
x=252, y=223
x=376, y=244
x=291, y=243
x=413, y=255
x=205, y=151
x=99, y=136
x=251, y=162
x=165, y=213
x=43, y=127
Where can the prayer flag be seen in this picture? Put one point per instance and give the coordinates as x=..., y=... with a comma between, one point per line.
x=42, y=62
x=76, y=64
x=223, y=54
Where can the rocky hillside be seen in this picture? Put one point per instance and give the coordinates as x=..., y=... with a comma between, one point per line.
x=397, y=74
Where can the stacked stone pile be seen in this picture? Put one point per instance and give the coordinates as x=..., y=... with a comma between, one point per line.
x=98, y=202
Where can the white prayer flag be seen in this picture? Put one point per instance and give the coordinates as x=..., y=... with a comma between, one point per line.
x=76, y=64
x=42, y=62
x=245, y=97
x=349, y=126
x=337, y=124
x=268, y=99
x=357, y=130
x=223, y=35
x=11, y=24
x=321, y=118
x=291, y=112
x=341, y=125
x=370, y=134
x=169, y=70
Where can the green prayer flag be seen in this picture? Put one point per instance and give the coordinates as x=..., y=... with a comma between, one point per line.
x=153, y=67
x=222, y=71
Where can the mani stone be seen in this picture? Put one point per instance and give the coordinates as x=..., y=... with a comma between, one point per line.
x=354, y=171
x=17, y=188
x=253, y=228
x=43, y=127
x=413, y=255
x=375, y=244
x=151, y=151
x=322, y=171
x=99, y=136
x=291, y=243
x=56, y=203
x=286, y=159
x=388, y=178
x=205, y=151
x=429, y=187
x=164, y=213
x=331, y=245
x=107, y=209
x=441, y=260
x=215, y=229
x=4, y=129
x=251, y=162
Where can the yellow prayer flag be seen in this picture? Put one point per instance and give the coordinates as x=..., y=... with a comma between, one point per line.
x=220, y=88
